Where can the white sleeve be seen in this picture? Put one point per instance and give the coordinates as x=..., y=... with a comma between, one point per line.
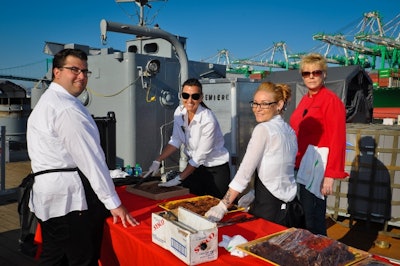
x=258, y=143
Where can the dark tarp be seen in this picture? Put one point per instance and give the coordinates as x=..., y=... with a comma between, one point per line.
x=351, y=83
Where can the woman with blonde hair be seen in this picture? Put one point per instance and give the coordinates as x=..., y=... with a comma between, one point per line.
x=271, y=152
x=319, y=121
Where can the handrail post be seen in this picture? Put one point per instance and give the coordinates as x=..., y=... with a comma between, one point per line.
x=3, y=159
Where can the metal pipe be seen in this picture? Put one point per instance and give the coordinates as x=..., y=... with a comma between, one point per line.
x=234, y=128
x=130, y=126
x=3, y=159
x=150, y=32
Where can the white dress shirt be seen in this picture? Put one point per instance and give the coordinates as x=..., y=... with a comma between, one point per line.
x=272, y=151
x=61, y=133
x=202, y=138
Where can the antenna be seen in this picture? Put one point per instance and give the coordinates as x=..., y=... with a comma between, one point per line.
x=142, y=4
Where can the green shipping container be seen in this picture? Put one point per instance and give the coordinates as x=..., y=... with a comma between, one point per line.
x=386, y=97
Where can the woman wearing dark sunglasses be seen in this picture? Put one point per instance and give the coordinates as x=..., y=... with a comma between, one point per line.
x=197, y=129
x=319, y=121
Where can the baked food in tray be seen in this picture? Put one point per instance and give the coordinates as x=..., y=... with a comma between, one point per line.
x=199, y=205
x=300, y=247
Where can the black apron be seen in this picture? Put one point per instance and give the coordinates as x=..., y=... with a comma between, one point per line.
x=269, y=207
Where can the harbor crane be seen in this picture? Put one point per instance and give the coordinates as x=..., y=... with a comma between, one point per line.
x=261, y=59
x=371, y=30
x=224, y=57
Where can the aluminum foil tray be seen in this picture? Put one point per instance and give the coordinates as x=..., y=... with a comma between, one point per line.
x=246, y=247
x=199, y=204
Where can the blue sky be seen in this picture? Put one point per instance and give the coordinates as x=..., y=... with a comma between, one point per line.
x=245, y=28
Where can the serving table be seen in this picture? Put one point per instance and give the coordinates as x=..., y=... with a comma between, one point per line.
x=133, y=245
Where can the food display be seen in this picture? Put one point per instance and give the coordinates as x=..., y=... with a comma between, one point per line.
x=199, y=205
x=300, y=247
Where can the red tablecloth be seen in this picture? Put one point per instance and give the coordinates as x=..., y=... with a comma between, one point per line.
x=133, y=245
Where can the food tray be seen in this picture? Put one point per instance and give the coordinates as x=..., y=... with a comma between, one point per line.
x=245, y=247
x=371, y=261
x=151, y=190
x=199, y=204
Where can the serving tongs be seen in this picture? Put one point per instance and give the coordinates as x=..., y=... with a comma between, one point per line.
x=173, y=218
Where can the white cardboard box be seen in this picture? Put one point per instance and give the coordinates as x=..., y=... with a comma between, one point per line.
x=193, y=239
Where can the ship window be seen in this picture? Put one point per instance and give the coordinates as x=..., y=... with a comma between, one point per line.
x=151, y=48
x=133, y=49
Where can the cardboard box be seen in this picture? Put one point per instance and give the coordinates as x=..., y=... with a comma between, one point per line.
x=190, y=237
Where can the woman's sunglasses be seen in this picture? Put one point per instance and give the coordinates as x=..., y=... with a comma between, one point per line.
x=307, y=74
x=195, y=96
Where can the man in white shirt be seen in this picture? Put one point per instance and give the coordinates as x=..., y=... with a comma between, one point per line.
x=62, y=134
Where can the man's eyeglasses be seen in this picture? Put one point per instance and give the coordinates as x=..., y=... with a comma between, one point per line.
x=77, y=71
x=263, y=105
x=195, y=96
x=315, y=73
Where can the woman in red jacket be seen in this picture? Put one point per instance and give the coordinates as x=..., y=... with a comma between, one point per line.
x=319, y=121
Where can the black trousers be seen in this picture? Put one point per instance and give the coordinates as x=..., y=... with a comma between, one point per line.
x=212, y=181
x=67, y=240
x=75, y=239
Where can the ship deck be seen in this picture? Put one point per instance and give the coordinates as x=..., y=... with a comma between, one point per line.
x=360, y=235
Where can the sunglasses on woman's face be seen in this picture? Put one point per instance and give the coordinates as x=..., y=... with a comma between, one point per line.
x=195, y=96
x=315, y=73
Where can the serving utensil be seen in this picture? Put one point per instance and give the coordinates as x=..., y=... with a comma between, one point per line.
x=237, y=219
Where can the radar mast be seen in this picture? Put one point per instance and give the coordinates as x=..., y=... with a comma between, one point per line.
x=142, y=4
